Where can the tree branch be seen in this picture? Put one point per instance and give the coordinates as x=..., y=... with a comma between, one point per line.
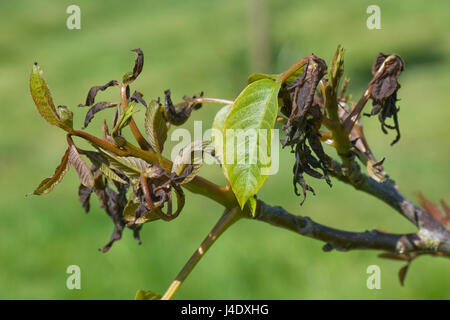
x=419, y=242
x=388, y=192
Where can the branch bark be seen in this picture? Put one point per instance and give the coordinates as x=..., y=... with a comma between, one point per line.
x=344, y=240
x=429, y=228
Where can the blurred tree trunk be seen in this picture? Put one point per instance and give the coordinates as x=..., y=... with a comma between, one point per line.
x=259, y=33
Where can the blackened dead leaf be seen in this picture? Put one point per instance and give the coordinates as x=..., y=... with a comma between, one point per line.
x=90, y=99
x=178, y=114
x=115, y=203
x=305, y=87
x=138, y=65
x=383, y=90
x=302, y=107
x=402, y=273
x=84, y=194
x=155, y=191
x=191, y=102
x=298, y=135
x=97, y=108
x=138, y=97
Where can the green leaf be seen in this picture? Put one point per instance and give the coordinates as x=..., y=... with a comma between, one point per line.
x=66, y=118
x=42, y=96
x=218, y=134
x=192, y=154
x=147, y=295
x=108, y=172
x=129, y=214
x=130, y=166
x=101, y=161
x=251, y=205
x=84, y=173
x=156, y=126
x=48, y=184
x=251, y=119
x=129, y=210
x=125, y=117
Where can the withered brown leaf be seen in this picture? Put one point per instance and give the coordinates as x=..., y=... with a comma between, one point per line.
x=383, y=90
x=90, y=99
x=97, y=108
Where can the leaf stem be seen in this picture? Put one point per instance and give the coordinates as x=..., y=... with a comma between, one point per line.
x=212, y=101
x=350, y=121
x=101, y=143
x=225, y=221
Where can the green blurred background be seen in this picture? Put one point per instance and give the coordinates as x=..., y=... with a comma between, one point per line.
x=191, y=46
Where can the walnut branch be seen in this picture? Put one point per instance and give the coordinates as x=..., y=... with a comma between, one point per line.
x=388, y=192
x=432, y=236
x=343, y=240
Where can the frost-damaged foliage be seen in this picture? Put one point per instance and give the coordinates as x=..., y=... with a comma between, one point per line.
x=302, y=127
x=178, y=114
x=90, y=99
x=136, y=185
x=383, y=90
x=113, y=172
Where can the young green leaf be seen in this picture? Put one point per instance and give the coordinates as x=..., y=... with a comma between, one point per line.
x=218, y=134
x=65, y=118
x=42, y=96
x=48, y=184
x=100, y=161
x=156, y=126
x=251, y=205
x=250, y=121
x=128, y=211
x=125, y=117
x=84, y=173
x=109, y=173
x=130, y=166
x=129, y=214
x=192, y=154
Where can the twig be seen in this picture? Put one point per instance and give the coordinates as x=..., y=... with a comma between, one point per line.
x=227, y=219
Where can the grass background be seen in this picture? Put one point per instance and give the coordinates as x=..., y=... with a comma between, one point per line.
x=191, y=46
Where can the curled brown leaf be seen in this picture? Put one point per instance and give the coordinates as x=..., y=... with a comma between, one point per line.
x=383, y=89
x=90, y=99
